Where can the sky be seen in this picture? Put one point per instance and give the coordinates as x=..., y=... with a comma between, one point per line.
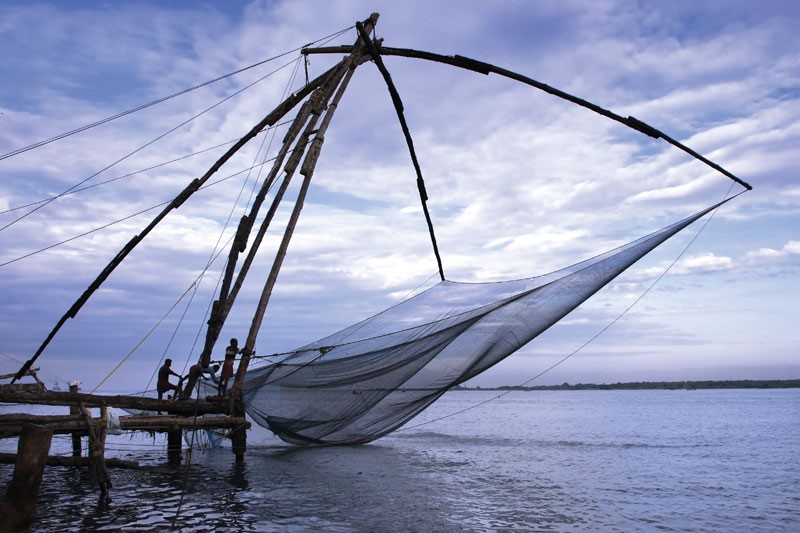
x=520, y=183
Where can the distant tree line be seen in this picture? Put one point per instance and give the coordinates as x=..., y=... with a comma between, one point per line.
x=659, y=385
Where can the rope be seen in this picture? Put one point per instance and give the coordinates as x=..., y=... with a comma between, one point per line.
x=120, y=220
x=123, y=158
x=398, y=106
x=165, y=98
x=128, y=175
x=590, y=340
x=220, y=278
x=212, y=258
x=194, y=284
x=143, y=339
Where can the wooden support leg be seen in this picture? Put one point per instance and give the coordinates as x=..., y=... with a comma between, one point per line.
x=239, y=443
x=102, y=470
x=239, y=434
x=19, y=507
x=73, y=410
x=97, y=441
x=174, y=441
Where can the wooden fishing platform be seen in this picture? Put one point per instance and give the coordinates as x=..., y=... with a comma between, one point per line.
x=35, y=434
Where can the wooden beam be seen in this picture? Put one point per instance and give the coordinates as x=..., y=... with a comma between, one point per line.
x=156, y=423
x=60, y=460
x=11, y=424
x=188, y=408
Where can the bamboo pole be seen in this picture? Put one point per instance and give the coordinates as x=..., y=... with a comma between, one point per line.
x=307, y=171
x=487, y=68
x=223, y=305
x=322, y=104
x=269, y=120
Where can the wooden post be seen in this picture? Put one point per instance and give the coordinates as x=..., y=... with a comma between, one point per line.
x=174, y=438
x=239, y=434
x=73, y=410
x=19, y=507
x=97, y=448
x=324, y=103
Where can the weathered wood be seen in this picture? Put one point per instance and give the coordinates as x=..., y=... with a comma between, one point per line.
x=174, y=443
x=97, y=452
x=22, y=387
x=19, y=506
x=76, y=436
x=31, y=372
x=164, y=423
x=61, y=460
x=11, y=424
x=13, y=419
x=101, y=452
x=239, y=435
x=188, y=408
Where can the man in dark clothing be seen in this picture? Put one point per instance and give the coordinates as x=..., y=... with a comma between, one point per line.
x=163, y=385
x=227, y=366
x=196, y=372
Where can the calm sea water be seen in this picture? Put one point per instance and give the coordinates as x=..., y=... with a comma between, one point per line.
x=722, y=461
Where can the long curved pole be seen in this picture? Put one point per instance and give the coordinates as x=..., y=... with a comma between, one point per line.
x=486, y=68
x=374, y=51
x=269, y=120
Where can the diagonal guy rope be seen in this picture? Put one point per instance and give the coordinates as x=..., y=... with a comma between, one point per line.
x=589, y=341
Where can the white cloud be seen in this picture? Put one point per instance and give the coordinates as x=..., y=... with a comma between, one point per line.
x=520, y=183
x=788, y=255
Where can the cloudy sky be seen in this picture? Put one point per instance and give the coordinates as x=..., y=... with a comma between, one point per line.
x=520, y=183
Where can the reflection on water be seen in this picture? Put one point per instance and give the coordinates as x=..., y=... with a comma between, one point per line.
x=561, y=461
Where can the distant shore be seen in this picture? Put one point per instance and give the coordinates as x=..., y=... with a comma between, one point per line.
x=658, y=385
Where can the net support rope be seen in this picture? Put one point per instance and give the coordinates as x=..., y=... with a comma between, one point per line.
x=367, y=380
x=586, y=343
x=398, y=106
x=164, y=98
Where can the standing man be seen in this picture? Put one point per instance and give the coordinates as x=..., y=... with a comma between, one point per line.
x=196, y=372
x=163, y=385
x=227, y=366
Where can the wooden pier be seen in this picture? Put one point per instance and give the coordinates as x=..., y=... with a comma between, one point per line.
x=35, y=435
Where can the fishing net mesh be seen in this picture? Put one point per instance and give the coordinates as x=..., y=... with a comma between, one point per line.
x=369, y=379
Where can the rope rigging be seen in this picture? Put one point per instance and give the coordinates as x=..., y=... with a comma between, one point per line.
x=123, y=219
x=588, y=341
x=165, y=98
x=269, y=120
x=149, y=143
x=486, y=68
x=398, y=106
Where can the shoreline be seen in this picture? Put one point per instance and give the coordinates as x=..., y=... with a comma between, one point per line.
x=654, y=385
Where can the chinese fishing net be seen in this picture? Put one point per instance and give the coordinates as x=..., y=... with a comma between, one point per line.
x=369, y=379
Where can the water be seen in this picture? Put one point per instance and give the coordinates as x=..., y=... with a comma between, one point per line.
x=722, y=461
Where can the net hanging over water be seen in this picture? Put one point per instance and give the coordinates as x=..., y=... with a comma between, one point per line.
x=369, y=379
